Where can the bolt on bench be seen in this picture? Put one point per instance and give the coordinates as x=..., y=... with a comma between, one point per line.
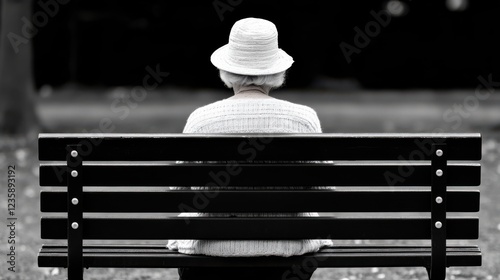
x=418, y=168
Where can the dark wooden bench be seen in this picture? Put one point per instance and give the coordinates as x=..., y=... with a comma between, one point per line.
x=400, y=173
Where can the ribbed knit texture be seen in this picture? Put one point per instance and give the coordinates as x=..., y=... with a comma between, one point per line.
x=251, y=112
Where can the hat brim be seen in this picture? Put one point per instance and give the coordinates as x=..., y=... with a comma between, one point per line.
x=220, y=60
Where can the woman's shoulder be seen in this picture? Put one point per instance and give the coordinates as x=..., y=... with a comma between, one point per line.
x=295, y=107
x=302, y=112
x=209, y=109
x=230, y=108
x=202, y=114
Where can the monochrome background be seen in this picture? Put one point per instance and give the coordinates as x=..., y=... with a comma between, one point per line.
x=364, y=66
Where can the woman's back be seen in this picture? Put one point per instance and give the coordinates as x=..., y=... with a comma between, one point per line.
x=251, y=111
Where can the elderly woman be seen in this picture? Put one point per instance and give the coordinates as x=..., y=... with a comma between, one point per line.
x=251, y=64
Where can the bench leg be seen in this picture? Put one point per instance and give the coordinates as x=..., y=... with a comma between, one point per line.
x=438, y=276
x=75, y=274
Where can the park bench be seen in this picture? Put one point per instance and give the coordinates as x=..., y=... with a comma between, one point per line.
x=385, y=176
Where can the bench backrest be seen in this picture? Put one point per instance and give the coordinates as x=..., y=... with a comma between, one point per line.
x=147, y=161
x=396, y=160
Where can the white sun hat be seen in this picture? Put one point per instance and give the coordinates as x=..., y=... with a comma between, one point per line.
x=252, y=49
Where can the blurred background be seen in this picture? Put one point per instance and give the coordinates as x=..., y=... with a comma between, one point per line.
x=78, y=61
x=364, y=66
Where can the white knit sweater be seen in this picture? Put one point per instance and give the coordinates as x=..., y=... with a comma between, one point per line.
x=250, y=111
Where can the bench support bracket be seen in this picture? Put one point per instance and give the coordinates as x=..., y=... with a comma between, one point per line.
x=75, y=212
x=437, y=270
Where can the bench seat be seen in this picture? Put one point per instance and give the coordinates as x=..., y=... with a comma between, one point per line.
x=157, y=256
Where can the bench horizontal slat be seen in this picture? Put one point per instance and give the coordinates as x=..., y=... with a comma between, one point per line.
x=130, y=147
x=160, y=248
x=340, y=174
x=338, y=256
x=262, y=201
x=260, y=228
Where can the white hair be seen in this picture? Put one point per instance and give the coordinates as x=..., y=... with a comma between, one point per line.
x=271, y=81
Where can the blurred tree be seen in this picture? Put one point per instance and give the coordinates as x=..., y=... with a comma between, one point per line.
x=17, y=108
